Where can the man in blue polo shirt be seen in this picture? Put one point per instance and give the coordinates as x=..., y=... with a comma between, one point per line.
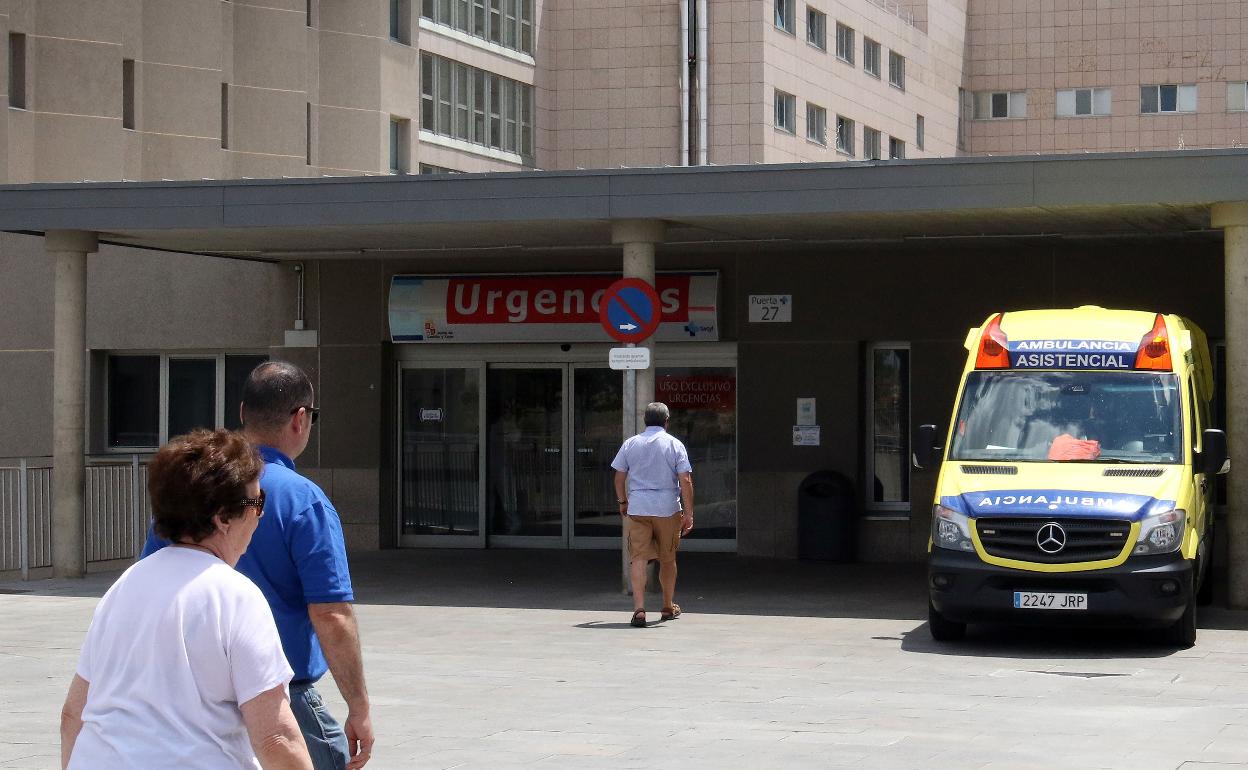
x=298, y=559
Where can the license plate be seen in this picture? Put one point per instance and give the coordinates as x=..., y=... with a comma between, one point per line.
x=1046, y=600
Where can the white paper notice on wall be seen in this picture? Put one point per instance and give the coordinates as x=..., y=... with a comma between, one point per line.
x=805, y=435
x=806, y=411
x=771, y=308
x=431, y=415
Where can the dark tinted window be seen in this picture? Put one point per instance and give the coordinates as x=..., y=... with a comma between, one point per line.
x=133, y=401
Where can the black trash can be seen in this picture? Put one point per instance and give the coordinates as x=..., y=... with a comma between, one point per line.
x=825, y=515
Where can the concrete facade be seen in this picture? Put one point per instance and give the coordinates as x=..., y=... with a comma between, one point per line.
x=189, y=89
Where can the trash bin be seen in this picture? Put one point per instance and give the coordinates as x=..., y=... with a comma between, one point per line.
x=825, y=515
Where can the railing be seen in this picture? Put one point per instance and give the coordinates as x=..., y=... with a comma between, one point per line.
x=114, y=495
x=896, y=9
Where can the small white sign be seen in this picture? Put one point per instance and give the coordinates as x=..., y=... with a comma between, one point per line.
x=806, y=411
x=629, y=358
x=431, y=415
x=771, y=308
x=805, y=435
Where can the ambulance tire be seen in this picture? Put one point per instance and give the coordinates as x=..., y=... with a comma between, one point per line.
x=943, y=629
x=1204, y=594
x=1183, y=633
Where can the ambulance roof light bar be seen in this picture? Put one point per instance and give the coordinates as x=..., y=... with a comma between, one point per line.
x=993, y=352
x=1154, y=351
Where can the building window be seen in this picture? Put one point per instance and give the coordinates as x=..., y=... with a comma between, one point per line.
x=870, y=57
x=896, y=148
x=888, y=427
x=918, y=131
x=475, y=106
x=965, y=110
x=428, y=168
x=845, y=135
x=127, y=93
x=896, y=70
x=150, y=398
x=786, y=107
x=1072, y=102
x=400, y=141
x=784, y=15
x=1236, y=97
x=1167, y=98
x=307, y=133
x=816, y=28
x=844, y=43
x=17, y=71
x=816, y=124
x=996, y=105
x=870, y=143
x=508, y=23
x=225, y=116
x=401, y=21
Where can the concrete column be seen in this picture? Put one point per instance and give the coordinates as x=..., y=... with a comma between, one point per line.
x=1233, y=219
x=638, y=237
x=69, y=248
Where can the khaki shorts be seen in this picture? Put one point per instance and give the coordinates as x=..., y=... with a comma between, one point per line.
x=652, y=537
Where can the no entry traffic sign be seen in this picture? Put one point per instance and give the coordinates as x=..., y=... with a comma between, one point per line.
x=630, y=310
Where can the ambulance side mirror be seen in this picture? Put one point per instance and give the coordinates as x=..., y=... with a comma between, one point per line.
x=926, y=452
x=1214, y=457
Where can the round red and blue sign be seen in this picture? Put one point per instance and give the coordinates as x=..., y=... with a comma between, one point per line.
x=630, y=310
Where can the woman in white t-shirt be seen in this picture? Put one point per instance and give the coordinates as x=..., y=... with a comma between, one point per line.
x=182, y=665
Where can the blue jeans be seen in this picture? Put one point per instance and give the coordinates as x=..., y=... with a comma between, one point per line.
x=327, y=743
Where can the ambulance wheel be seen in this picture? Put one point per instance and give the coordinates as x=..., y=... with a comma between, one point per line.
x=1183, y=633
x=943, y=629
x=1204, y=596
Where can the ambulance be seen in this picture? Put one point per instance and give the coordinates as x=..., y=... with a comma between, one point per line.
x=1077, y=477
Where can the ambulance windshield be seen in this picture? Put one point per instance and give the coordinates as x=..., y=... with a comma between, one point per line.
x=1053, y=416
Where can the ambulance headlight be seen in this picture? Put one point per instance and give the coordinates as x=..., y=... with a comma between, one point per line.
x=1162, y=533
x=951, y=529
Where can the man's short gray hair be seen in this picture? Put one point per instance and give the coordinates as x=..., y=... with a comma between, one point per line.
x=657, y=414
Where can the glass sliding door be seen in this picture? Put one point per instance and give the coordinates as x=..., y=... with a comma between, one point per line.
x=440, y=469
x=524, y=455
x=597, y=418
x=703, y=402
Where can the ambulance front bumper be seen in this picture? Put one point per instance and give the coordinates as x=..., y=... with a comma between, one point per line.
x=1145, y=591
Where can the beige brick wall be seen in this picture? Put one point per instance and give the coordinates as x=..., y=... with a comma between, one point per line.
x=1042, y=47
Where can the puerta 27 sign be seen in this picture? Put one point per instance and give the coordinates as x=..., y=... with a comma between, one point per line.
x=541, y=307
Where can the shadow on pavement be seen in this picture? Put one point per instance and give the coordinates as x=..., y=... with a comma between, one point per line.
x=994, y=640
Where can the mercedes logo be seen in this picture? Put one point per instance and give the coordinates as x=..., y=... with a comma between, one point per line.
x=1051, y=538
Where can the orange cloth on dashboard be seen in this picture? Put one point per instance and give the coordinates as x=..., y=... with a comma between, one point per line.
x=1067, y=447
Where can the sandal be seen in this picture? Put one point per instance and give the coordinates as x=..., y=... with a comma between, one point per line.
x=670, y=613
x=639, y=619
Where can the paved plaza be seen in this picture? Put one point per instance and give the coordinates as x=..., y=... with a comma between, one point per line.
x=491, y=659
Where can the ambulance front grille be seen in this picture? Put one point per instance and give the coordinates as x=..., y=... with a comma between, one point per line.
x=991, y=470
x=1085, y=539
x=1137, y=473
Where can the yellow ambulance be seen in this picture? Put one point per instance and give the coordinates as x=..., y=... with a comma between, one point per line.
x=1076, y=486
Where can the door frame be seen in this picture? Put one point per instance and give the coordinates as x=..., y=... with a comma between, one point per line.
x=482, y=356
x=559, y=541
x=440, y=541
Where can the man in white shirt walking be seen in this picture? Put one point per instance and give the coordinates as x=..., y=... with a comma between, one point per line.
x=652, y=479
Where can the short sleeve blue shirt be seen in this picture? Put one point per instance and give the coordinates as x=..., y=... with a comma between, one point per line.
x=297, y=557
x=653, y=461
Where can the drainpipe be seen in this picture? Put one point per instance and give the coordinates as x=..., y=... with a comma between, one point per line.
x=684, y=82
x=702, y=97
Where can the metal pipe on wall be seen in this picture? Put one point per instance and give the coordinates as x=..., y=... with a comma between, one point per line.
x=702, y=96
x=684, y=82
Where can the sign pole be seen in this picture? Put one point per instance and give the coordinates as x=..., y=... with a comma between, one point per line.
x=630, y=429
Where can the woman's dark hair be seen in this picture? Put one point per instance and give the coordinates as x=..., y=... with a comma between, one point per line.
x=197, y=476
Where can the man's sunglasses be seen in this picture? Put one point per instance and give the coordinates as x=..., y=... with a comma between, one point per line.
x=256, y=502
x=315, y=411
